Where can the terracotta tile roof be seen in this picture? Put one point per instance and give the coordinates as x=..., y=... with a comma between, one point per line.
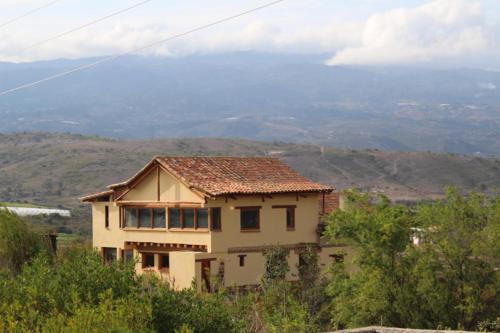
x=239, y=175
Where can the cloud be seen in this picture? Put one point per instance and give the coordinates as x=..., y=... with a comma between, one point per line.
x=439, y=31
x=434, y=31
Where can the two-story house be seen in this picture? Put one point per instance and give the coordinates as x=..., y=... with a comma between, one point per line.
x=204, y=218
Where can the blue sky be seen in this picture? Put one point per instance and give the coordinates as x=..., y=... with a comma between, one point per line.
x=457, y=32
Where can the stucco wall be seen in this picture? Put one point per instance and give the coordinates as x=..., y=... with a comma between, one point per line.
x=182, y=270
x=272, y=222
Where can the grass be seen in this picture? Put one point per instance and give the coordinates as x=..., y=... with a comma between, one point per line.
x=64, y=240
x=21, y=205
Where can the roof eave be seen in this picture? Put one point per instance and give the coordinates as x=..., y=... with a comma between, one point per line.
x=92, y=197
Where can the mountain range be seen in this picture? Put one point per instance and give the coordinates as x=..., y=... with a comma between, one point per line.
x=256, y=96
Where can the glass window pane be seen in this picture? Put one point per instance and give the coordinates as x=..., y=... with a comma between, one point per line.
x=189, y=218
x=128, y=255
x=202, y=218
x=131, y=217
x=109, y=254
x=148, y=260
x=144, y=218
x=165, y=261
x=250, y=219
x=159, y=218
x=216, y=219
x=290, y=217
x=174, y=218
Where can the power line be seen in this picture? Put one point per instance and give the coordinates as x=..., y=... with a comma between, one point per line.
x=162, y=41
x=86, y=25
x=33, y=11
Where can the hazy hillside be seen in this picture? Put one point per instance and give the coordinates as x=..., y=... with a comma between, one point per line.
x=57, y=169
x=264, y=97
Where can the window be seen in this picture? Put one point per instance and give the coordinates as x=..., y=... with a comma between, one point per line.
x=174, y=218
x=202, y=218
x=109, y=254
x=164, y=261
x=128, y=255
x=249, y=218
x=242, y=259
x=215, y=219
x=290, y=218
x=159, y=218
x=144, y=218
x=188, y=218
x=106, y=216
x=337, y=258
x=148, y=260
x=130, y=217
x=302, y=261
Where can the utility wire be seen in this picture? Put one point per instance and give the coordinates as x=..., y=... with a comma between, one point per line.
x=88, y=24
x=162, y=41
x=33, y=11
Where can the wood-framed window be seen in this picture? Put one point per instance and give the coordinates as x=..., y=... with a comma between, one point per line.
x=188, y=218
x=164, y=261
x=109, y=254
x=106, y=216
x=249, y=218
x=290, y=215
x=141, y=217
x=215, y=219
x=128, y=256
x=148, y=260
x=242, y=259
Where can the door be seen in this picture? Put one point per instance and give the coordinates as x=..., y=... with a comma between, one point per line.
x=205, y=274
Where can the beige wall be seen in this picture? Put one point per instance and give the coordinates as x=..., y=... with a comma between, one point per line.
x=171, y=190
x=272, y=222
x=182, y=270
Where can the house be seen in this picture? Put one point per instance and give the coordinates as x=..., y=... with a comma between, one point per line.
x=208, y=219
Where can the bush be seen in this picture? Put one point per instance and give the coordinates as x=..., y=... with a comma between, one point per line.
x=18, y=244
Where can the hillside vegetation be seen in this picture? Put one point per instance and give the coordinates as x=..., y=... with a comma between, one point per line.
x=261, y=96
x=56, y=169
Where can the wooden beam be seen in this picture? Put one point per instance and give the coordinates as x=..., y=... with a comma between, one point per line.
x=158, y=184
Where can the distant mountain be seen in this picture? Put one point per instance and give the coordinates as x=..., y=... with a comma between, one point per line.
x=292, y=98
x=56, y=169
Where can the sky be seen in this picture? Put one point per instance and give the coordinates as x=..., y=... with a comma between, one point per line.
x=463, y=33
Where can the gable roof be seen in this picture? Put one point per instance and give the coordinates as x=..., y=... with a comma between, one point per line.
x=239, y=175
x=218, y=176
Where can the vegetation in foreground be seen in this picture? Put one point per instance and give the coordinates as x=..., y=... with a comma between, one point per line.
x=448, y=280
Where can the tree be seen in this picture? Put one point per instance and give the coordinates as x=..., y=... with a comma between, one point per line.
x=448, y=280
x=276, y=265
x=18, y=243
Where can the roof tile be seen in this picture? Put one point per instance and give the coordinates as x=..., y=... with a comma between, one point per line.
x=239, y=175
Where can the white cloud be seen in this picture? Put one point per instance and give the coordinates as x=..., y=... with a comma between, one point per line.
x=434, y=31
x=451, y=31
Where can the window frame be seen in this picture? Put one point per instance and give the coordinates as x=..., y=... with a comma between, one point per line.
x=151, y=225
x=106, y=217
x=182, y=218
x=143, y=261
x=288, y=209
x=247, y=209
x=105, y=257
x=242, y=259
x=160, y=261
x=211, y=219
